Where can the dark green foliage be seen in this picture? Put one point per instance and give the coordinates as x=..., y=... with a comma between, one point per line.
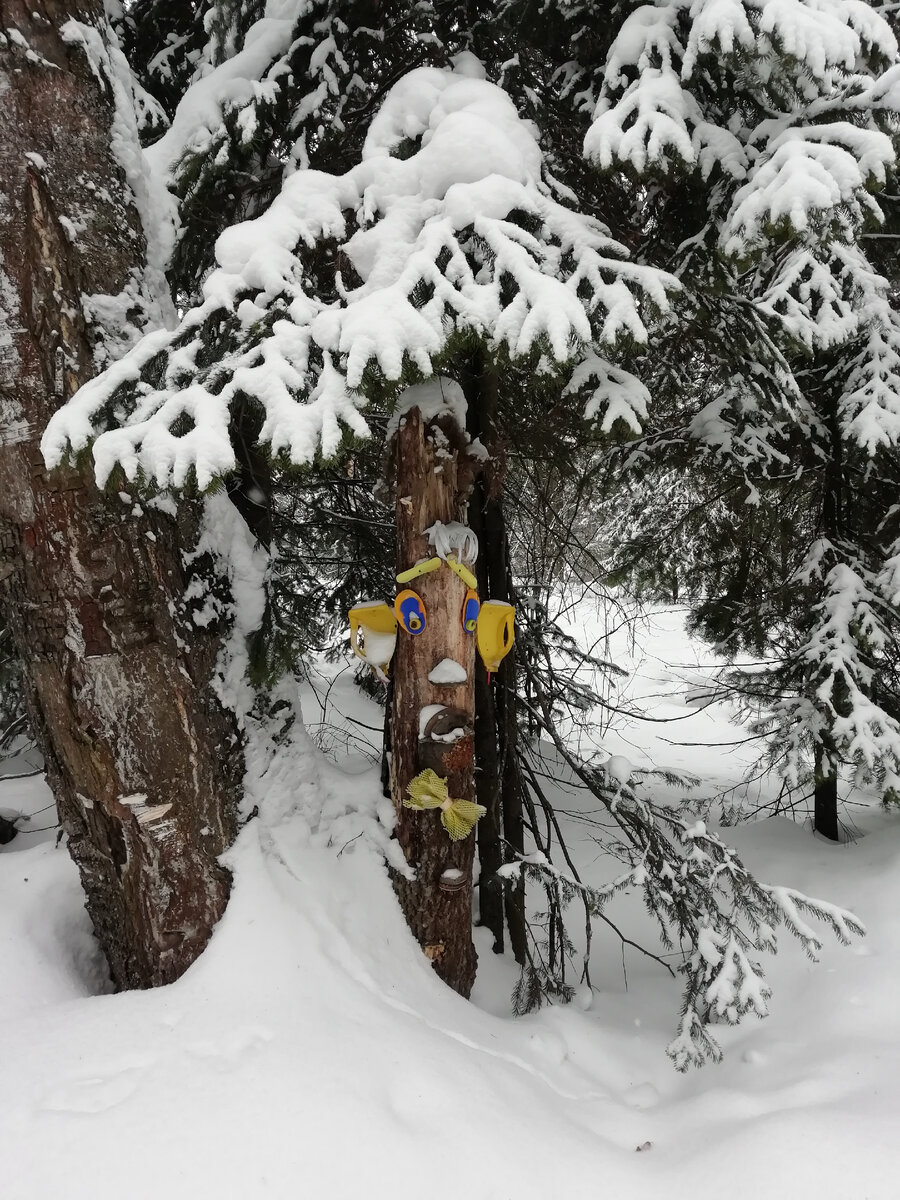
x=164, y=41
x=720, y=500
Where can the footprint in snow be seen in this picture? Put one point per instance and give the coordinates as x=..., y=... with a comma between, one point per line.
x=230, y=1047
x=641, y=1096
x=95, y=1094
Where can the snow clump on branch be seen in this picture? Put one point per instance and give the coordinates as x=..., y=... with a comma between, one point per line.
x=444, y=226
x=799, y=166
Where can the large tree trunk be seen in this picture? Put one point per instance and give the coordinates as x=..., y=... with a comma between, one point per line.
x=143, y=761
x=437, y=903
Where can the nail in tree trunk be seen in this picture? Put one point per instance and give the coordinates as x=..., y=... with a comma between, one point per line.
x=433, y=479
x=143, y=761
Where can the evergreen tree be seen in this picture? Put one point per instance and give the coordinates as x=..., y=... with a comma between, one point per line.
x=410, y=259
x=761, y=135
x=449, y=246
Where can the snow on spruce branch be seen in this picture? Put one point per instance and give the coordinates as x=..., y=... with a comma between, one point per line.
x=117, y=321
x=709, y=908
x=850, y=635
x=371, y=274
x=703, y=897
x=827, y=696
x=812, y=174
x=233, y=87
x=824, y=63
x=725, y=980
x=645, y=116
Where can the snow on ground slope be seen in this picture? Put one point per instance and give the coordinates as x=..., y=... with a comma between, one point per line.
x=312, y=1052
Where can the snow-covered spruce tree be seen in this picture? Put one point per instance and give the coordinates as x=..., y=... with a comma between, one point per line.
x=251, y=92
x=141, y=756
x=444, y=263
x=268, y=89
x=695, y=887
x=760, y=135
x=442, y=240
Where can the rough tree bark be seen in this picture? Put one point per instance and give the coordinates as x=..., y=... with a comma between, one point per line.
x=825, y=776
x=825, y=794
x=437, y=903
x=143, y=761
x=498, y=776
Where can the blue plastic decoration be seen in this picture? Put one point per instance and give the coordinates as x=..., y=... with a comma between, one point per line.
x=410, y=611
x=470, y=611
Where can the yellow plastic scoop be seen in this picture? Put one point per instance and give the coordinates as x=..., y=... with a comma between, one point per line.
x=494, y=632
x=373, y=633
x=421, y=568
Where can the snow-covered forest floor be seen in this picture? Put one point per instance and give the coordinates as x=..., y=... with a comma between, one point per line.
x=312, y=1052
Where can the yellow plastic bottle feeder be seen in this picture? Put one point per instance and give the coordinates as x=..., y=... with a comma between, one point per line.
x=494, y=632
x=373, y=633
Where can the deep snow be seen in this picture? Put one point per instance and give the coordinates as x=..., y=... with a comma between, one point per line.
x=312, y=1052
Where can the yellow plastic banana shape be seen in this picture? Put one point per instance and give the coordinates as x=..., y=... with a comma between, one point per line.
x=462, y=571
x=422, y=568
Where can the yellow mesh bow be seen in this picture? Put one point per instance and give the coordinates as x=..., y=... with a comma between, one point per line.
x=458, y=817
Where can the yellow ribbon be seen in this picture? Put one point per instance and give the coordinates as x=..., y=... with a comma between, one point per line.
x=458, y=817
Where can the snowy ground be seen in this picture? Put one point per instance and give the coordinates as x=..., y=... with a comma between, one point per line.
x=312, y=1052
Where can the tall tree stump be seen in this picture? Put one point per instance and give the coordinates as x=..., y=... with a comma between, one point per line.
x=433, y=481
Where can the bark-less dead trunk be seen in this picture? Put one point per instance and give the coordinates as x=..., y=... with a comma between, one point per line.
x=143, y=761
x=438, y=902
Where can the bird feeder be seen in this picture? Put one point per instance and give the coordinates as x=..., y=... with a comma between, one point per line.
x=373, y=633
x=494, y=632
